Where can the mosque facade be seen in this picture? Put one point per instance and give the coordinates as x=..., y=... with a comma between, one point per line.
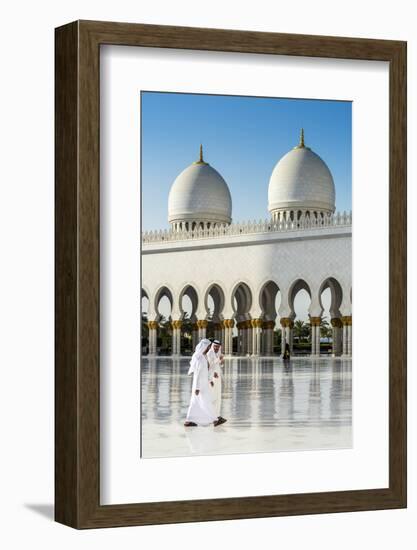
x=304, y=244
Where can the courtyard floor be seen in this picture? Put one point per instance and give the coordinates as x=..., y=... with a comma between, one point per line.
x=304, y=405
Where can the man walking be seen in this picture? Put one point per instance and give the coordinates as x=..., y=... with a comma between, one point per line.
x=201, y=411
x=216, y=360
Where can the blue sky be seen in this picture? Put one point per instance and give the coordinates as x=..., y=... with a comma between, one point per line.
x=243, y=139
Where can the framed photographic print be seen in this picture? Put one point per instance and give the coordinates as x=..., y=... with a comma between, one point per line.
x=230, y=274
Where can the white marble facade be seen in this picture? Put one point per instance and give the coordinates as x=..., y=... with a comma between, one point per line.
x=304, y=245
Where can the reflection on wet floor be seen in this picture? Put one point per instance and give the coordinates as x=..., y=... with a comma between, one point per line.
x=304, y=405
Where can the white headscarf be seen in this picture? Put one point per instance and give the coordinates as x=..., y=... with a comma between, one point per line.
x=216, y=353
x=200, y=347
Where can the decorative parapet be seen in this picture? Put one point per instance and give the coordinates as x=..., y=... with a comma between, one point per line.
x=339, y=219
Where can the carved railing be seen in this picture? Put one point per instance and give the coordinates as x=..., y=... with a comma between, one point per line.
x=339, y=219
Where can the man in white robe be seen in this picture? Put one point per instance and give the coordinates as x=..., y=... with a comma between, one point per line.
x=216, y=360
x=201, y=411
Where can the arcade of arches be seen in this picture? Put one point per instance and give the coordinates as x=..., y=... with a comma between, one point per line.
x=245, y=332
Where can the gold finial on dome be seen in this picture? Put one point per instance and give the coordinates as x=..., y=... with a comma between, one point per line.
x=301, y=145
x=200, y=160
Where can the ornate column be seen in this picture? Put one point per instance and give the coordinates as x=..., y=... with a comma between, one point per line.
x=284, y=323
x=225, y=337
x=153, y=333
x=344, y=337
x=231, y=325
x=315, y=335
x=228, y=325
x=337, y=325
x=347, y=335
x=249, y=340
x=268, y=332
x=350, y=336
x=347, y=322
x=176, y=337
x=256, y=336
x=313, y=338
x=253, y=337
x=179, y=324
x=290, y=334
x=202, y=328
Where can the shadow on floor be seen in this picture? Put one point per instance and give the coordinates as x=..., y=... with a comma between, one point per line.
x=45, y=510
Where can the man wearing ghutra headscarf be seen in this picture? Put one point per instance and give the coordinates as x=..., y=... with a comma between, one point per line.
x=201, y=411
x=216, y=360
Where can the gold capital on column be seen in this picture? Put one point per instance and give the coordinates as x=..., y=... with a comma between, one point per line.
x=202, y=323
x=153, y=325
x=347, y=319
x=315, y=321
x=336, y=322
x=285, y=321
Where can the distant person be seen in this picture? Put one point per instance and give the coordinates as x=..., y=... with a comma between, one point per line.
x=201, y=411
x=286, y=356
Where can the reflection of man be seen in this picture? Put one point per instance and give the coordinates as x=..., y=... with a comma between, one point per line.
x=216, y=360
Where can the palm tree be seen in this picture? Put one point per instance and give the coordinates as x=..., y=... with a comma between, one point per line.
x=325, y=329
x=299, y=330
x=186, y=334
x=307, y=326
x=165, y=333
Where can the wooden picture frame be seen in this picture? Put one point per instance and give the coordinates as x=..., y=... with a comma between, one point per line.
x=77, y=365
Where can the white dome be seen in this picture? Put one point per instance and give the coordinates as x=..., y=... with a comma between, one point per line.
x=199, y=194
x=301, y=180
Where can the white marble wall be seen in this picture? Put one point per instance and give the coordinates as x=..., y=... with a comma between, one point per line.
x=311, y=255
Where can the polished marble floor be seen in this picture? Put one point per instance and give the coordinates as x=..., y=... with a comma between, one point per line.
x=269, y=406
